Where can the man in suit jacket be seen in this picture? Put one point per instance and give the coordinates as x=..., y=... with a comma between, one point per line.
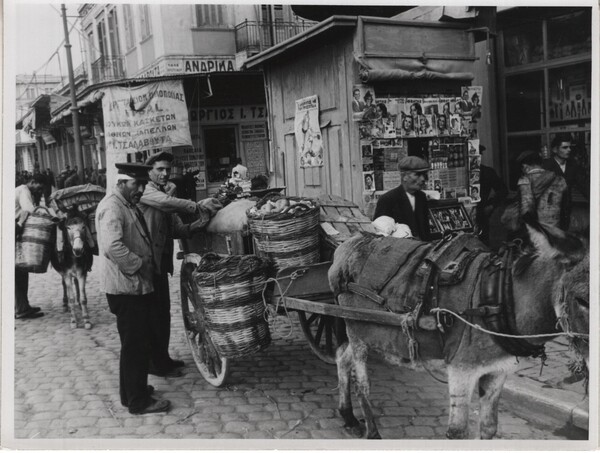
x=563, y=165
x=160, y=207
x=125, y=248
x=357, y=104
x=407, y=203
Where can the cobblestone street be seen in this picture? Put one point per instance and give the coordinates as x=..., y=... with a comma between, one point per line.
x=67, y=386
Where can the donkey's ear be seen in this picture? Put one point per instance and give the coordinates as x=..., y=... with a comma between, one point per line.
x=552, y=242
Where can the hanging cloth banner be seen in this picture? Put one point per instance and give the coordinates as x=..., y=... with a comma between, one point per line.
x=151, y=116
x=309, y=140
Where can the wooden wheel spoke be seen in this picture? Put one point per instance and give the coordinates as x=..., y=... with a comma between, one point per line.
x=329, y=336
x=322, y=323
x=312, y=318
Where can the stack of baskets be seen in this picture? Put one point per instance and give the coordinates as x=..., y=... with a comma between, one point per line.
x=86, y=197
x=289, y=237
x=32, y=251
x=230, y=291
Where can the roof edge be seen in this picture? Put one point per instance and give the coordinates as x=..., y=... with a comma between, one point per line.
x=327, y=24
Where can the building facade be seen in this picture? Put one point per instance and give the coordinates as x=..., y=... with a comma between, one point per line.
x=30, y=86
x=129, y=44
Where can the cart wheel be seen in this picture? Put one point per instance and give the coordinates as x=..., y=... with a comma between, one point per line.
x=324, y=334
x=213, y=368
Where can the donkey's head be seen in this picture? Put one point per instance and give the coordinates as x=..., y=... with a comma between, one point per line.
x=572, y=292
x=75, y=227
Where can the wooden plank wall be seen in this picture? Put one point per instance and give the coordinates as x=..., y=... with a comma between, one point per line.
x=322, y=72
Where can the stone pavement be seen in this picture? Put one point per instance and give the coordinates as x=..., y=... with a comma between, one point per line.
x=66, y=386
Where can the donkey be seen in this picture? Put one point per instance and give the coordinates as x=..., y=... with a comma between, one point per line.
x=550, y=287
x=73, y=261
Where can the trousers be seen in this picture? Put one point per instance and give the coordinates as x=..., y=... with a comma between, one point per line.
x=161, y=361
x=133, y=313
x=21, y=289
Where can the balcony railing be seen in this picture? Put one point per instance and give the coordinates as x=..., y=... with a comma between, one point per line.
x=254, y=37
x=108, y=68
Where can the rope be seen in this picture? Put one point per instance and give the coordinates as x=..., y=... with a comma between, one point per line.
x=507, y=335
x=269, y=309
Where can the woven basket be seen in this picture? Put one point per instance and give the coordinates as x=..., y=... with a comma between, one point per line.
x=230, y=290
x=32, y=252
x=86, y=197
x=289, y=240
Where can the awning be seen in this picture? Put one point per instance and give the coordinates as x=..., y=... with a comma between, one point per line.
x=22, y=138
x=414, y=68
x=48, y=138
x=91, y=98
x=28, y=121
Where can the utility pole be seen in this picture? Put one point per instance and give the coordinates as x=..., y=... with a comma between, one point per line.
x=74, y=108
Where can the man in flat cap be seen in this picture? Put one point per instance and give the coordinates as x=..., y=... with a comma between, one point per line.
x=160, y=207
x=563, y=164
x=407, y=203
x=541, y=192
x=127, y=273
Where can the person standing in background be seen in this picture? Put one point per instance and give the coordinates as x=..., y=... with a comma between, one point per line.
x=407, y=203
x=562, y=164
x=24, y=205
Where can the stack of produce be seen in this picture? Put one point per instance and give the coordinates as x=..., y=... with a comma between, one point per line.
x=285, y=229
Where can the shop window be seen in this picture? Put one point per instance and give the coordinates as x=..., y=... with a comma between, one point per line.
x=221, y=152
x=570, y=95
x=524, y=102
x=523, y=44
x=570, y=34
x=209, y=15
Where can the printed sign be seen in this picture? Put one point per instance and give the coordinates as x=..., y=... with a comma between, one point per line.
x=309, y=140
x=146, y=117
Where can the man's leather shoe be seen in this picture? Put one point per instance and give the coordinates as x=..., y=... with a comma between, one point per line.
x=29, y=314
x=170, y=373
x=154, y=407
x=35, y=309
x=149, y=389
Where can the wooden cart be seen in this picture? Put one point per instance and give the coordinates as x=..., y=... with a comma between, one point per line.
x=306, y=291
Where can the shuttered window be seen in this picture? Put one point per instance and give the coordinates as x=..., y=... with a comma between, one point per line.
x=129, y=30
x=209, y=15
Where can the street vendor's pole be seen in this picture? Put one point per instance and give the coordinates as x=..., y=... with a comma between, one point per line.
x=74, y=108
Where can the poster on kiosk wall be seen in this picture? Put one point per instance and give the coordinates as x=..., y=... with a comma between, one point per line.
x=150, y=116
x=309, y=140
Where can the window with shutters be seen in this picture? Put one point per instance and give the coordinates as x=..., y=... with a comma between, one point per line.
x=129, y=30
x=146, y=29
x=210, y=15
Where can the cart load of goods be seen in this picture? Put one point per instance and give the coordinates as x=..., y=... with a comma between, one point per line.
x=286, y=229
x=36, y=234
x=85, y=198
x=230, y=293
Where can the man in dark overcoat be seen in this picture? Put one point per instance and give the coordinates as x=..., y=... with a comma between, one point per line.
x=563, y=164
x=407, y=203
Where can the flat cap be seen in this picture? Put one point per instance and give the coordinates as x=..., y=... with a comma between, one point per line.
x=162, y=155
x=413, y=163
x=527, y=155
x=127, y=170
